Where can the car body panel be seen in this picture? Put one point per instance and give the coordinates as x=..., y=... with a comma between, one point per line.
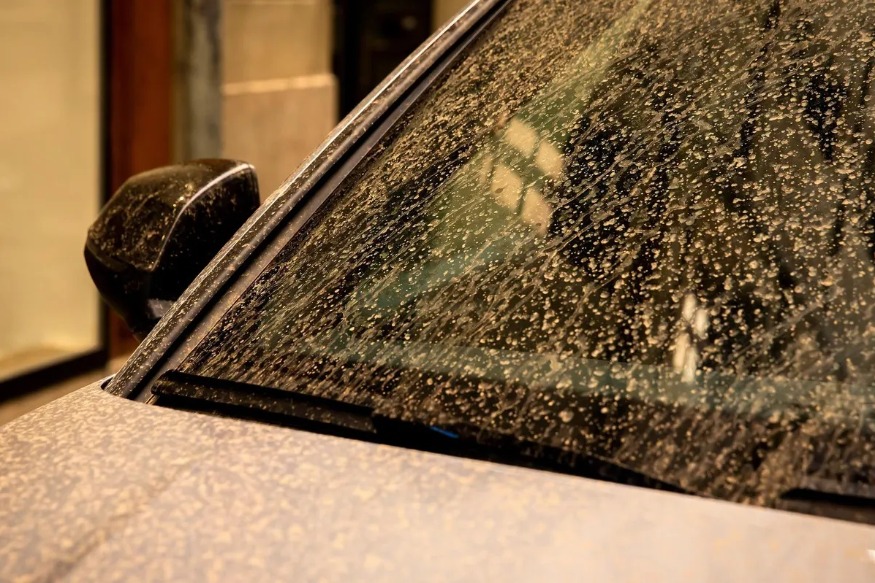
x=95, y=487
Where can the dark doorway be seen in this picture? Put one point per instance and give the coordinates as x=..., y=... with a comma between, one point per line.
x=372, y=37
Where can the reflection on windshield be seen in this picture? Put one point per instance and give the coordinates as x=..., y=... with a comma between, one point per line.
x=643, y=229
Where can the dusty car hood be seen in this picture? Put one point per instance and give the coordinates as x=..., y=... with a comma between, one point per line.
x=97, y=488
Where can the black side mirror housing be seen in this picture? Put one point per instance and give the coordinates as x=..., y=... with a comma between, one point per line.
x=159, y=231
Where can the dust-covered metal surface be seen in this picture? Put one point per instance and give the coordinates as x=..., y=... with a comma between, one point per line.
x=98, y=488
x=634, y=229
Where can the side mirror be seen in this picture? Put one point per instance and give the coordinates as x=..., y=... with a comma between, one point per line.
x=160, y=229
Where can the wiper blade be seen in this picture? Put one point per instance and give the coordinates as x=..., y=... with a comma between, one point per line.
x=384, y=425
x=283, y=406
x=491, y=445
x=825, y=497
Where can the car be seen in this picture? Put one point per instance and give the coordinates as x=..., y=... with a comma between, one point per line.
x=584, y=290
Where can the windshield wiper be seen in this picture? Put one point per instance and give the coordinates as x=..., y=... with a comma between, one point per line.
x=824, y=497
x=491, y=445
x=279, y=406
x=385, y=424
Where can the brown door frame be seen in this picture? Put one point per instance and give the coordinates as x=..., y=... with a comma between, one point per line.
x=139, y=103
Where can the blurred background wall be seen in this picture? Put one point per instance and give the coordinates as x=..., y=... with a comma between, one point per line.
x=279, y=94
x=446, y=9
x=50, y=165
x=98, y=90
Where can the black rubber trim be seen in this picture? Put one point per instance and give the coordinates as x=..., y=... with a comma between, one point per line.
x=262, y=400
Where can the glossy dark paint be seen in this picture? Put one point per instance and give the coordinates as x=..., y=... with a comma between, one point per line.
x=161, y=229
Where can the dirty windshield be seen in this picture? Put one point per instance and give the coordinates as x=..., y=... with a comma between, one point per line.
x=635, y=228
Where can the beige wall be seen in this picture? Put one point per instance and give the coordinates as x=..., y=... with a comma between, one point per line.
x=279, y=95
x=446, y=9
x=49, y=172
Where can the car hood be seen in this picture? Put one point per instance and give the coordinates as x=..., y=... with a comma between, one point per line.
x=97, y=488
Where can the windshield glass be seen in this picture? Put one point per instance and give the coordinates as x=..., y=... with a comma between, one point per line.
x=634, y=228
